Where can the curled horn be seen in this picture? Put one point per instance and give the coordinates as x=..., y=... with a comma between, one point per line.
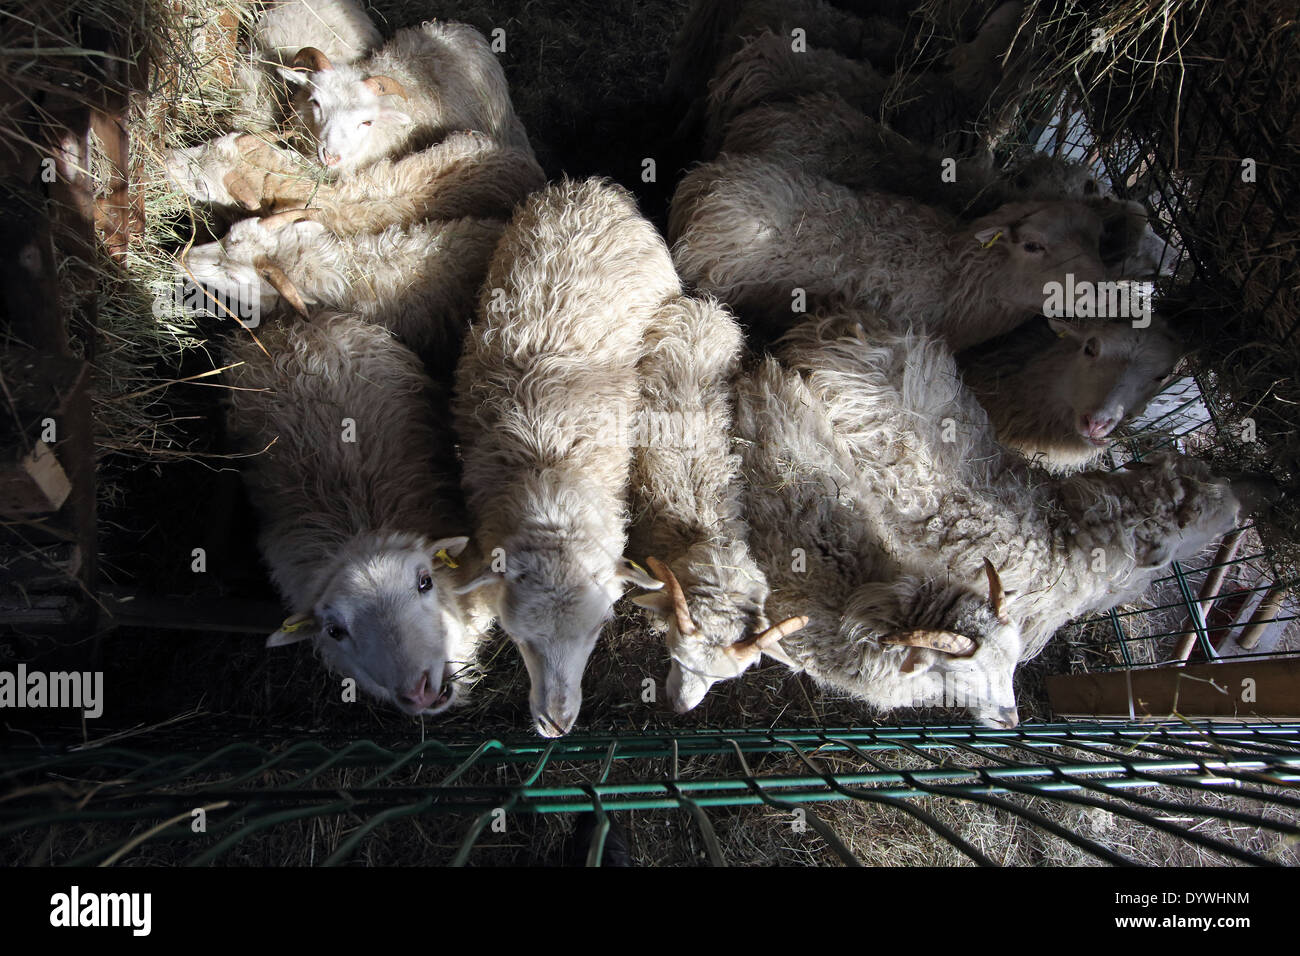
x=311, y=59
x=242, y=190
x=246, y=141
x=946, y=642
x=282, y=284
x=660, y=570
x=996, y=595
x=287, y=217
x=385, y=85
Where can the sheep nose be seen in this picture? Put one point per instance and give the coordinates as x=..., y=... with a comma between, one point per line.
x=1097, y=426
x=422, y=695
x=329, y=159
x=555, y=723
x=1008, y=717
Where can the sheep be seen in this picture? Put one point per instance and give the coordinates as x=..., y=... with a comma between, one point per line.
x=420, y=282
x=872, y=626
x=686, y=500
x=826, y=137
x=338, y=28
x=467, y=174
x=767, y=68
x=446, y=77
x=543, y=391
x=753, y=233
x=361, y=524
x=1056, y=390
x=713, y=31
x=947, y=496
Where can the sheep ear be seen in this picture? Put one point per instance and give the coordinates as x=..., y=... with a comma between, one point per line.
x=986, y=237
x=997, y=595
x=1063, y=328
x=633, y=573
x=299, y=627
x=308, y=227
x=396, y=117
x=453, y=546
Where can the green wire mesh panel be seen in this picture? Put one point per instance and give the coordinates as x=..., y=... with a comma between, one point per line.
x=113, y=804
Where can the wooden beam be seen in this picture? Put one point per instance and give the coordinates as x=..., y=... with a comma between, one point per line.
x=1242, y=690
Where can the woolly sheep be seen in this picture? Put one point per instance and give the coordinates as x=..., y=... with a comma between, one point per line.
x=713, y=31
x=767, y=68
x=427, y=81
x=419, y=281
x=950, y=496
x=752, y=232
x=877, y=628
x=361, y=521
x=1055, y=389
x=686, y=501
x=338, y=28
x=466, y=174
x=824, y=136
x=543, y=391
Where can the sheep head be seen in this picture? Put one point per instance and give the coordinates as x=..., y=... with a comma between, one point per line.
x=347, y=110
x=553, y=602
x=965, y=650
x=702, y=656
x=1040, y=243
x=255, y=259
x=385, y=616
x=1102, y=373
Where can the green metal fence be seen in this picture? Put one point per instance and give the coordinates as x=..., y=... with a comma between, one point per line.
x=121, y=801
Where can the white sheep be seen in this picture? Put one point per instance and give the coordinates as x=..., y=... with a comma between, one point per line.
x=947, y=495
x=876, y=627
x=362, y=526
x=544, y=391
x=686, y=508
x=424, y=83
x=466, y=174
x=1056, y=389
x=338, y=28
x=418, y=281
x=754, y=233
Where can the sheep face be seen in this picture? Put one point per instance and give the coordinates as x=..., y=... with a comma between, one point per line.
x=383, y=618
x=348, y=114
x=251, y=258
x=1042, y=243
x=200, y=170
x=1102, y=373
x=553, y=605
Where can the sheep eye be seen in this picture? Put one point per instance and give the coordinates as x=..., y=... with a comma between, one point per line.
x=365, y=123
x=1092, y=347
x=1034, y=247
x=425, y=581
x=336, y=632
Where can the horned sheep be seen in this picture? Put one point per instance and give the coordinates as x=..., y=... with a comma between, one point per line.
x=426, y=82
x=888, y=632
x=543, y=393
x=362, y=525
x=947, y=495
x=686, y=507
x=753, y=232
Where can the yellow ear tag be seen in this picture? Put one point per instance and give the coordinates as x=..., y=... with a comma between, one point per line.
x=442, y=555
x=297, y=622
x=996, y=236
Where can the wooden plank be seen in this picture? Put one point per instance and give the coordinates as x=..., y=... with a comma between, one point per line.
x=1243, y=690
x=130, y=608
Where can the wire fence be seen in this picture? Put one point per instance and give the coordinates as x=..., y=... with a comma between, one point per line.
x=124, y=802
